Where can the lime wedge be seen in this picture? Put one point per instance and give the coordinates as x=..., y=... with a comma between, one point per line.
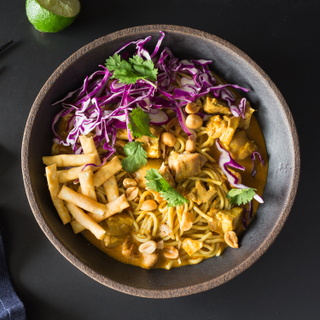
x=52, y=15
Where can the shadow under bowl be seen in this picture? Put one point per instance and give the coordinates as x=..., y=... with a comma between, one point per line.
x=275, y=121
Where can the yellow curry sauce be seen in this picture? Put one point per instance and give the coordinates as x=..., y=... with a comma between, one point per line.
x=258, y=182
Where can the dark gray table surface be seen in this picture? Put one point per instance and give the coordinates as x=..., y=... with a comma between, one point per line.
x=283, y=38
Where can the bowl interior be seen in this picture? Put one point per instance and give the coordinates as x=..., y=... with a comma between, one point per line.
x=281, y=141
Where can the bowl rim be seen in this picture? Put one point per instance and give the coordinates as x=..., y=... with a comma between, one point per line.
x=70, y=256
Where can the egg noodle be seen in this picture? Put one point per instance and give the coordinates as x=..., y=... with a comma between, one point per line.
x=164, y=223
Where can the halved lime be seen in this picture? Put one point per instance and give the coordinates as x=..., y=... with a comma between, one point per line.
x=52, y=15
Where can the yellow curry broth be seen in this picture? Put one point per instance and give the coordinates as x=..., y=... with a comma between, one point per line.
x=116, y=253
x=258, y=182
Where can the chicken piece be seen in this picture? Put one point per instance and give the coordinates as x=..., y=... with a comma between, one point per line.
x=140, y=174
x=191, y=246
x=223, y=128
x=112, y=241
x=152, y=145
x=213, y=105
x=245, y=123
x=119, y=224
x=200, y=194
x=186, y=221
x=241, y=147
x=129, y=250
x=184, y=165
x=122, y=134
x=166, y=174
x=225, y=220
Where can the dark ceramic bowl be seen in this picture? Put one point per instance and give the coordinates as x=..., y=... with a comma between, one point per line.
x=275, y=120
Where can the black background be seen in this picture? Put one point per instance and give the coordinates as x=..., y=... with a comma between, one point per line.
x=280, y=36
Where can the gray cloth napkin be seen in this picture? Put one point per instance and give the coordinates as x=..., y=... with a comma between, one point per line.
x=11, y=308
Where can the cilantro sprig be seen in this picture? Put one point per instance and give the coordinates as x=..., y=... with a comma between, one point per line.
x=240, y=196
x=131, y=71
x=156, y=182
x=139, y=123
x=136, y=156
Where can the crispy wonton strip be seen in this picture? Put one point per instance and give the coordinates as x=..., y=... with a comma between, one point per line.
x=73, y=173
x=86, y=184
x=114, y=207
x=53, y=184
x=69, y=160
x=105, y=172
x=88, y=147
x=82, y=201
x=77, y=227
x=111, y=189
x=86, y=221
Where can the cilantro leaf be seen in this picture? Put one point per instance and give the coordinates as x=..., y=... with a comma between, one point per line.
x=113, y=62
x=130, y=72
x=136, y=156
x=122, y=69
x=240, y=196
x=156, y=182
x=139, y=123
x=144, y=67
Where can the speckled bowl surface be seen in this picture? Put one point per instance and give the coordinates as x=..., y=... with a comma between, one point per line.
x=281, y=140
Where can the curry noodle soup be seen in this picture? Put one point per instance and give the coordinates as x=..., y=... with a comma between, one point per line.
x=157, y=161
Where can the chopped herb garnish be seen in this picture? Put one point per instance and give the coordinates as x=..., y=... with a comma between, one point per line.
x=139, y=123
x=240, y=196
x=156, y=182
x=131, y=71
x=136, y=156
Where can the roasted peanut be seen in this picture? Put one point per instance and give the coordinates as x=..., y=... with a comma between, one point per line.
x=231, y=239
x=193, y=121
x=192, y=107
x=132, y=193
x=170, y=253
x=165, y=230
x=149, y=260
x=128, y=183
x=148, y=247
x=148, y=205
x=168, y=139
x=190, y=146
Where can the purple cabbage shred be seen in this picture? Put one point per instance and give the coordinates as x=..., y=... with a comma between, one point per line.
x=91, y=102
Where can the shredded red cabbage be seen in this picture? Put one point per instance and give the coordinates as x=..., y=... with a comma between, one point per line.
x=90, y=103
x=253, y=158
x=226, y=160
